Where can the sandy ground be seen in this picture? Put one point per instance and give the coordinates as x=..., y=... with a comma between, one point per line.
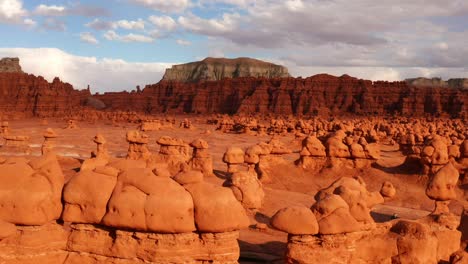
x=289, y=186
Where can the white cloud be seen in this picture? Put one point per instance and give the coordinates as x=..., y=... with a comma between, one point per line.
x=183, y=42
x=236, y=3
x=166, y=23
x=112, y=35
x=172, y=6
x=88, y=38
x=211, y=27
x=29, y=22
x=130, y=25
x=98, y=24
x=11, y=11
x=101, y=74
x=50, y=10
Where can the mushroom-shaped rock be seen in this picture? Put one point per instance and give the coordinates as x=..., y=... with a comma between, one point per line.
x=232, y=157
x=199, y=144
x=252, y=154
x=354, y=193
x=247, y=189
x=387, y=190
x=442, y=186
x=99, y=139
x=336, y=148
x=216, y=208
x=333, y=216
x=314, y=146
x=296, y=220
x=48, y=144
x=137, y=148
x=144, y=201
x=416, y=243
x=357, y=151
x=135, y=136
x=201, y=159
x=50, y=133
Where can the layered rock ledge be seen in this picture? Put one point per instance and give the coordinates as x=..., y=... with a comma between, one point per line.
x=216, y=69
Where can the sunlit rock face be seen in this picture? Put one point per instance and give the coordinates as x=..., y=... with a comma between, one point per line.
x=10, y=65
x=216, y=69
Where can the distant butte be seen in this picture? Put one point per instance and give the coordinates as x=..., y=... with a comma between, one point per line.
x=456, y=83
x=10, y=65
x=216, y=69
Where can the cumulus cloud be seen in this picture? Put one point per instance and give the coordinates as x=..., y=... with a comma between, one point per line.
x=166, y=23
x=211, y=27
x=88, y=38
x=112, y=35
x=130, y=25
x=173, y=6
x=74, y=9
x=98, y=24
x=101, y=74
x=50, y=10
x=318, y=33
x=11, y=11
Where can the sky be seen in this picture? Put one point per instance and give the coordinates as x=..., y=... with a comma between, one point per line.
x=114, y=45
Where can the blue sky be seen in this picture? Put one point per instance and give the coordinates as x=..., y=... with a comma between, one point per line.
x=118, y=44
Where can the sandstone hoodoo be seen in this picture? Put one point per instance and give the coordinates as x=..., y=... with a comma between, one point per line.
x=216, y=69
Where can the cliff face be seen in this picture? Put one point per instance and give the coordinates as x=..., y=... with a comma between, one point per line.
x=319, y=94
x=10, y=65
x=30, y=95
x=216, y=69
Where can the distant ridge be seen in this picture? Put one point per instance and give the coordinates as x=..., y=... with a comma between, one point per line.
x=216, y=69
x=457, y=83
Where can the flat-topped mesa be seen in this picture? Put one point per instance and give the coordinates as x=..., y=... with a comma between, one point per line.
x=216, y=69
x=10, y=65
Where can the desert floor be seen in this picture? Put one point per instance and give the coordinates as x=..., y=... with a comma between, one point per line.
x=289, y=185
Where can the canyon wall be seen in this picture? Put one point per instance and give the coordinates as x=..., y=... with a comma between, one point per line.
x=206, y=87
x=319, y=94
x=29, y=95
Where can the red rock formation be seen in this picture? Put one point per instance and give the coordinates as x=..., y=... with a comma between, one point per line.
x=319, y=94
x=314, y=95
x=30, y=95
